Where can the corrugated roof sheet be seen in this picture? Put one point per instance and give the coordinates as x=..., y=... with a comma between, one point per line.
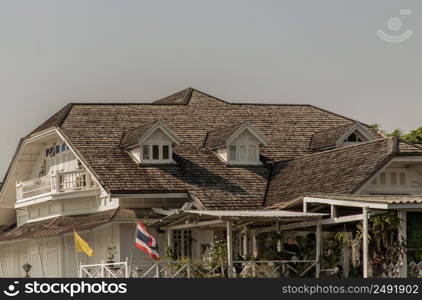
x=253, y=213
x=60, y=225
x=399, y=199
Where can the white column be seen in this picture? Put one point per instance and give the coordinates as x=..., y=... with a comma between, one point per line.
x=365, y=242
x=318, y=249
x=169, y=239
x=402, y=239
x=245, y=252
x=253, y=242
x=229, y=248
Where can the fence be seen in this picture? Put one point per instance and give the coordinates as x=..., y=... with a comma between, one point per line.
x=200, y=269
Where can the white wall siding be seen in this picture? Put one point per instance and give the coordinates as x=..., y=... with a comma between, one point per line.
x=55, y=256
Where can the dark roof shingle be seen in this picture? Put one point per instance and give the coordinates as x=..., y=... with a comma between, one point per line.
x=96, y=130
x=340, y=171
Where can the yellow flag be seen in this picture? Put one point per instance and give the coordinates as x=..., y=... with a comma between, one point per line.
x=81, y=245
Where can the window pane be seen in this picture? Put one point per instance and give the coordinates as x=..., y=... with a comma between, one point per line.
x=145, y=152
x=383, y=178
x=252, y=153
x=402, y=179
x=232, y=154
x=242, y=153
x=165, y=151
x=155, y=152
x=393, y=178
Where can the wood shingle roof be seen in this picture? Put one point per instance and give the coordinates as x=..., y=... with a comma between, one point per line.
x=96, y=130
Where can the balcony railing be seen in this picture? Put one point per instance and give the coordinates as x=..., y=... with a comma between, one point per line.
x=62, y=182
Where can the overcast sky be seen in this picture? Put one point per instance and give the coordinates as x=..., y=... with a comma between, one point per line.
x=325, y=53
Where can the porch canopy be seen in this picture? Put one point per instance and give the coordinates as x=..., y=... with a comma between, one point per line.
x=383, y=202
x=188, y=219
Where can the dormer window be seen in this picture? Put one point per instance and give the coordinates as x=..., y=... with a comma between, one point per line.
x=237, y=145
x=156, y=153
x=354, y=138
x=243, y=154
x=150, y=144
x=356, y=134
x=340, y=136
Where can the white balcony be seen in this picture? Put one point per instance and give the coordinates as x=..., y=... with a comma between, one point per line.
x=63, y=182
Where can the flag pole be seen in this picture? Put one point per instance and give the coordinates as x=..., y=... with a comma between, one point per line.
x=131, y=251
x=78, y=268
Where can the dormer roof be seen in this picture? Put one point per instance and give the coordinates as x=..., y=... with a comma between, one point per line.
x=137, y=136
x=221, y=137
x=334, y=136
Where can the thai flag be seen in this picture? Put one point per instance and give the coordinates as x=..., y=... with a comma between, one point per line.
x=146, y=242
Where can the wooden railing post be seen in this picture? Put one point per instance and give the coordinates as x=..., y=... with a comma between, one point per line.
x=318, y=250
x=365, y=242
x=229, y=249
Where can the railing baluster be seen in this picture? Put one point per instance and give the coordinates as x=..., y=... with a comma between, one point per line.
x=78, y=180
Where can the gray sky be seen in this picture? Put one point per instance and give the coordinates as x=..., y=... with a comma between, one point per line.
x=321, y=52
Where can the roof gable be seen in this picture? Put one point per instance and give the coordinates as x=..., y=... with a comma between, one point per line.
x=140, y=134
x=221, y=137
x=335, y=136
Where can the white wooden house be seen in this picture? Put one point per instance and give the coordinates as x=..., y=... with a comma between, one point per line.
x=194, y=169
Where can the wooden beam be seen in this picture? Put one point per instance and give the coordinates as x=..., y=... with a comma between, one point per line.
x=193, y=225
x=350, y=203
x=229, y=234
x=328, y=221
x=365, y=242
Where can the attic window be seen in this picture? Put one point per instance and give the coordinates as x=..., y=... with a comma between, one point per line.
x=353, y=138
x=244, y=154
x=237, y=145
x=356, y=136
x=150, y=144
x=160, y=153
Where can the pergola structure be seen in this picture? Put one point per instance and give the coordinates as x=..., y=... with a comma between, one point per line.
x=318, y=211
x=367, y=205
x=229, y=220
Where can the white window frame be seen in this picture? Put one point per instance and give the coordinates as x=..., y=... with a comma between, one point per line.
x=182, y=239
x=238, y=161
x=160, y=159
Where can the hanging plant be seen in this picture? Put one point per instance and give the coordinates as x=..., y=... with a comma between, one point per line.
x=385, y=250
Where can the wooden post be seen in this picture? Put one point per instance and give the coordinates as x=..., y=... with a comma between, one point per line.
x=254, y=247
x=245, y=242
x=229, y=249
x=403, y=239
x=365, y=242
x=318, y=250
x=333, y=211
x=169, y=239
